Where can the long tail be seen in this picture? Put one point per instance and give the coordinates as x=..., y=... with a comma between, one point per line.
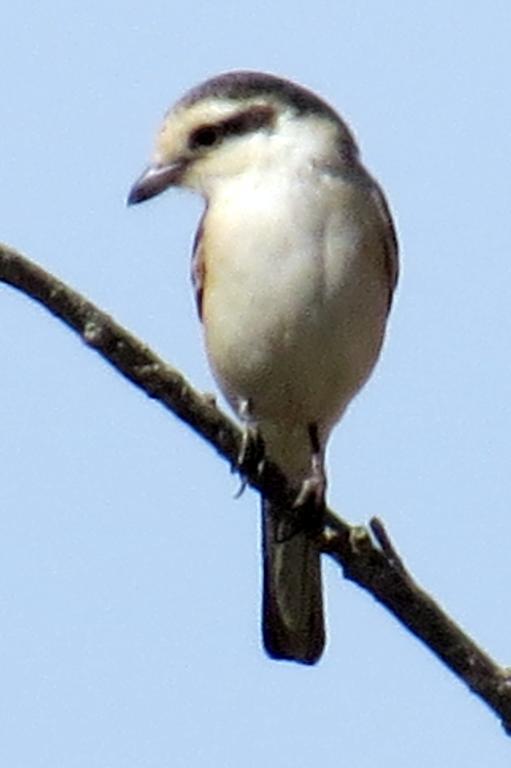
x=293, y=625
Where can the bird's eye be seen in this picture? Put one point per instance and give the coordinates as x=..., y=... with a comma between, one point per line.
x=205, y=136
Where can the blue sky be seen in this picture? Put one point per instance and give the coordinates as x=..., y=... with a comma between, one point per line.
x=129, y=576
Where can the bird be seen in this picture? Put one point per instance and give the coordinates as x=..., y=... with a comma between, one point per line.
x=294, y=267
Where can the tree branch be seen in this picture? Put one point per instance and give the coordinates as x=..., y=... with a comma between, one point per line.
x=371, y=561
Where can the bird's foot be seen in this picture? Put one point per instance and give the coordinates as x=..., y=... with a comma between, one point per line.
x=251, y=455
x=310, y=502
x=313, y=488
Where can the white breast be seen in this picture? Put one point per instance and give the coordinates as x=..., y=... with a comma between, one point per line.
x=296, y=293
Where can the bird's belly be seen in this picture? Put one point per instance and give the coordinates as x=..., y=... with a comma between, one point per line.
x=289, y=331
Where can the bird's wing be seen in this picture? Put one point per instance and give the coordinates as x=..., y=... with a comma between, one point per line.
x=390, y=243
x=198, y=271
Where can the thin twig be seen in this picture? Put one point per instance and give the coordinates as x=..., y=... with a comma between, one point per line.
x=387, y=547
x=376, y=567
x=377, y=571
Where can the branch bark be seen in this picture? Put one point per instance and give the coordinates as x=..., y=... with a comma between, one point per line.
x=366, y=556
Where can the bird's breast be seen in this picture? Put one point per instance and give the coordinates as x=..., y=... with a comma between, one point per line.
x=293, y=302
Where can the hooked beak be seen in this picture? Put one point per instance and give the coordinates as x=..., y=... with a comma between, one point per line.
x=156, y=179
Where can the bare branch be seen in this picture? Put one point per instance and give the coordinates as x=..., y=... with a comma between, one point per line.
x=382, y=573
x=375, y=566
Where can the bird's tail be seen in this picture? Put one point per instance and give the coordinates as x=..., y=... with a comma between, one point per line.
x=293, y=625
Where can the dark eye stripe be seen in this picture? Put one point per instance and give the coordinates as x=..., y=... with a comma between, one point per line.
x=248, y=121
x=208, y=134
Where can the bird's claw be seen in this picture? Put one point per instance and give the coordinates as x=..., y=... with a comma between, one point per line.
x=251, y=452
x=241, y=490
x=251, y=456
x=309, y=505
x=311, y=492
x=313, y=488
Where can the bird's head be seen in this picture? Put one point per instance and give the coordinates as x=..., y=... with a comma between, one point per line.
x=238, y=122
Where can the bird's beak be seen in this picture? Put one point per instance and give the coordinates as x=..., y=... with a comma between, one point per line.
x=156, y=179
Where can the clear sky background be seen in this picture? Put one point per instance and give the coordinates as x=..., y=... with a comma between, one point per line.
x=129, y=576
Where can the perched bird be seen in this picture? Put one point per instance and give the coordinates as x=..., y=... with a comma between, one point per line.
x=294, y=267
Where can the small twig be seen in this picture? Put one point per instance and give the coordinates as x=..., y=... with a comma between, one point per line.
x=385, y=543
x=375, y=567
x=375, y=570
